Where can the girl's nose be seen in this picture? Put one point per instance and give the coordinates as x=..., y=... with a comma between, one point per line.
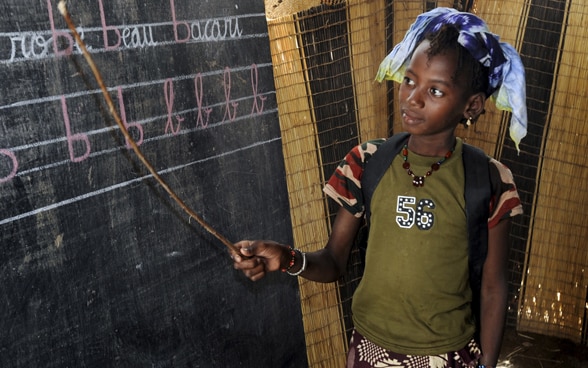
x=415, y=98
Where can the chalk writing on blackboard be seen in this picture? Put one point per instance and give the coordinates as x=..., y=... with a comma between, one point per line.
x=202, y=115
x=40, y=46
x=58, y=42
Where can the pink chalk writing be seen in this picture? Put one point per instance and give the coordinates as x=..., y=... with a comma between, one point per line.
x=199, y=95
x=229, y=103
x=53, y=118
x=57, y=34
x=57, y=43
x=215, y=29
x=168, y=91
x=14, y=163
x=123, y=118
x=256, y=97
x=176, y=23
x=38, y=45
x=131, y=37
x=208, y=30
x=79, y=145
x=35, y=45
x=106, y=29
x=73, y=138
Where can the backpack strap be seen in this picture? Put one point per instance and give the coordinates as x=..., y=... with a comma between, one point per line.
x=377, y=165
x=478, y=191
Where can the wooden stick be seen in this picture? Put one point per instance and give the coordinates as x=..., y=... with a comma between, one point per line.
x=114, y=113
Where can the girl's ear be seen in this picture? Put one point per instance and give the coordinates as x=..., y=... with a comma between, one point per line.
x=475, y=106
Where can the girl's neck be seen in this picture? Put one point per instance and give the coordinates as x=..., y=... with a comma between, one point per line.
x=432, y=146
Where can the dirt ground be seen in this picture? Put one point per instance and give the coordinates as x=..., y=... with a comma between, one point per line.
x=526, y=350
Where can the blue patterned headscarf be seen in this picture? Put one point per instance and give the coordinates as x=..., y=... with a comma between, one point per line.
x=506, y=84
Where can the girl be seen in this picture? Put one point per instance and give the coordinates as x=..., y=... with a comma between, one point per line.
x=413, y=307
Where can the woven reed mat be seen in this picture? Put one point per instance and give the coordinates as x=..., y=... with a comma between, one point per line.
x=279, y=8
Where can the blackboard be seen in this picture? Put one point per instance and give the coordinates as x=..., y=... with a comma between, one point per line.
x=98, y=267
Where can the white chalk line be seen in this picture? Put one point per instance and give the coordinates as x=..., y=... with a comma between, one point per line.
x=127, y=183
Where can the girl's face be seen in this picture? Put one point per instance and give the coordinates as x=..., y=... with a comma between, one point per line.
x=432, y=102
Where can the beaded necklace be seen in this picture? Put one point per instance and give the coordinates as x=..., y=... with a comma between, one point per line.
x=419, y=181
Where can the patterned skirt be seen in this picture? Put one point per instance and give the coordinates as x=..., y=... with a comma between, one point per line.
x=365, y=354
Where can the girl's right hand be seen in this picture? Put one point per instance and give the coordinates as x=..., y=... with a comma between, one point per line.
x=257, y=257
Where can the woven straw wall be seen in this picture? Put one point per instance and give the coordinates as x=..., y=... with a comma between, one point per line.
x=554, y=298
x=325, y=56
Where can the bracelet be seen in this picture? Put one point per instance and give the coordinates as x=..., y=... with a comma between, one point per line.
x=292, y=260
x=301, y=268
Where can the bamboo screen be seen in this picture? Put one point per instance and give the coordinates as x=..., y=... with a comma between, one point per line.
x=325, y=56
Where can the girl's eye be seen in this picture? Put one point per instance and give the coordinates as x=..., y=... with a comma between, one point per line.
x=435, y=92
x=408, y=81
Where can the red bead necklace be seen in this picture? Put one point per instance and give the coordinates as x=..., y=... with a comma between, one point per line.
x=419, y=181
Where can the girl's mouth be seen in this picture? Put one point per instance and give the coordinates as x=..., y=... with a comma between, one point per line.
x=410, y=118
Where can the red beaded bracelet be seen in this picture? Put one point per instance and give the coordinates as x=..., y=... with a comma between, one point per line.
x=292, y=260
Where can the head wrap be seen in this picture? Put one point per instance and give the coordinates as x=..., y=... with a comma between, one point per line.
x=506, y=72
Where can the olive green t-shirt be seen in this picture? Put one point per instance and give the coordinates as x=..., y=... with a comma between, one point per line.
x=414, y=297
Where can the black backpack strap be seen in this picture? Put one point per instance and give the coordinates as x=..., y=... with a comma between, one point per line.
x=478, y=191
x=377, y=165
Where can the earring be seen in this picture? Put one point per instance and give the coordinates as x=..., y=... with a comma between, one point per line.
x=469, y=122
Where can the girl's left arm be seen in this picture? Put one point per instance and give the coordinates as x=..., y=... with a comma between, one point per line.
x=494, y=293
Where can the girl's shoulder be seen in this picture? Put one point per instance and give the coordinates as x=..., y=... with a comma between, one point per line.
x=505, y=201
x=367, y=149
x=500, y=169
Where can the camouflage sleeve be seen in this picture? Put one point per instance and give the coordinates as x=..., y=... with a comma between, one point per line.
x=344, y=186
x=505, y=201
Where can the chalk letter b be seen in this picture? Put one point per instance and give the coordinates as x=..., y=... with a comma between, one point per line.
x=106, y=28
x=72, y=138
x=123, y=117
x=175, y=23
x=56, y=34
